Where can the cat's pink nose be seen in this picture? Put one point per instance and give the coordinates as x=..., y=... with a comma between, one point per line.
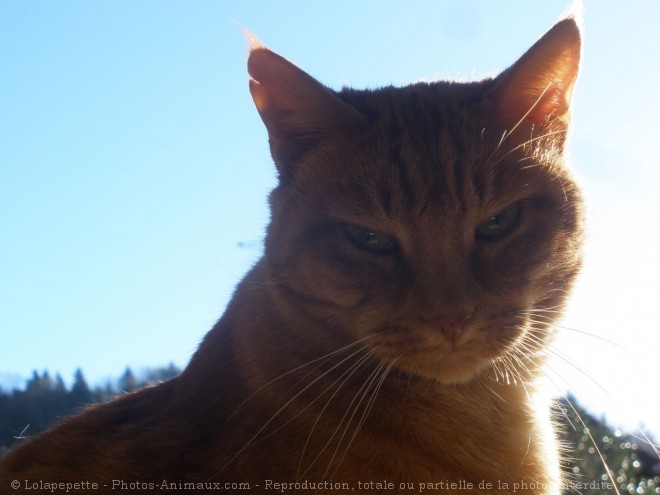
x=450, y=324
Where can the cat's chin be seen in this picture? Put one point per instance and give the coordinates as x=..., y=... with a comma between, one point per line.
x=455, y=370
x=454, y=376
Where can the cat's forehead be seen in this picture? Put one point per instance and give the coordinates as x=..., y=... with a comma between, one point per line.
x=426, y=150
x=429, y=127
x=420, y=105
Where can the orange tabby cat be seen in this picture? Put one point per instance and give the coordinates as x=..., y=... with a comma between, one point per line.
x=423, y=240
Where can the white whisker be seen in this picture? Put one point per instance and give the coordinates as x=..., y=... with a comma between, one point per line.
x=349, y=373
x=283, y=407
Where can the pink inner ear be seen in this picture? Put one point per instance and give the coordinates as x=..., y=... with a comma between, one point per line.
x=540, y=84
x=258, y=95
x=535, y=103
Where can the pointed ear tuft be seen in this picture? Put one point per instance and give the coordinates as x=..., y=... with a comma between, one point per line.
x=296, y=109
x=252, y=41
x=539, y=86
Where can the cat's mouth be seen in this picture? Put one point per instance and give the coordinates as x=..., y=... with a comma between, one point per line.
x=446, y=359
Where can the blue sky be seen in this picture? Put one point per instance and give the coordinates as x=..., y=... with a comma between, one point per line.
x=133, y=164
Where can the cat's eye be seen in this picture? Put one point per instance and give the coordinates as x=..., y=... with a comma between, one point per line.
x=370, y=240
x=500, y=224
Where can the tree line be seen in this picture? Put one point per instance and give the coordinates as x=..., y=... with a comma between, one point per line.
x=45, y=400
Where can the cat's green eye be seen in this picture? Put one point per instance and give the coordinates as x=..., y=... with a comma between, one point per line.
x=500, y=224
x=370, y=240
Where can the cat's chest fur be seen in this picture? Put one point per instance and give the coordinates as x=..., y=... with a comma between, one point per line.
x=420, y=450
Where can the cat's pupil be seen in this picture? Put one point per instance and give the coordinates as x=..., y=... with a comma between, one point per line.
x=500, y=224
x=369, y=240
x=372, y=238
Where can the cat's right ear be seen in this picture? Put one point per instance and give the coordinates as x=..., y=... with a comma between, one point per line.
x=537, y=89
x=296, y=109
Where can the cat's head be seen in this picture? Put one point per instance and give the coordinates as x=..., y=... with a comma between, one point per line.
x=436, y=222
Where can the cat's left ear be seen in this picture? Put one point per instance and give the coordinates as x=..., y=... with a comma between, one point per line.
x=297, y=110
x=538, y=88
